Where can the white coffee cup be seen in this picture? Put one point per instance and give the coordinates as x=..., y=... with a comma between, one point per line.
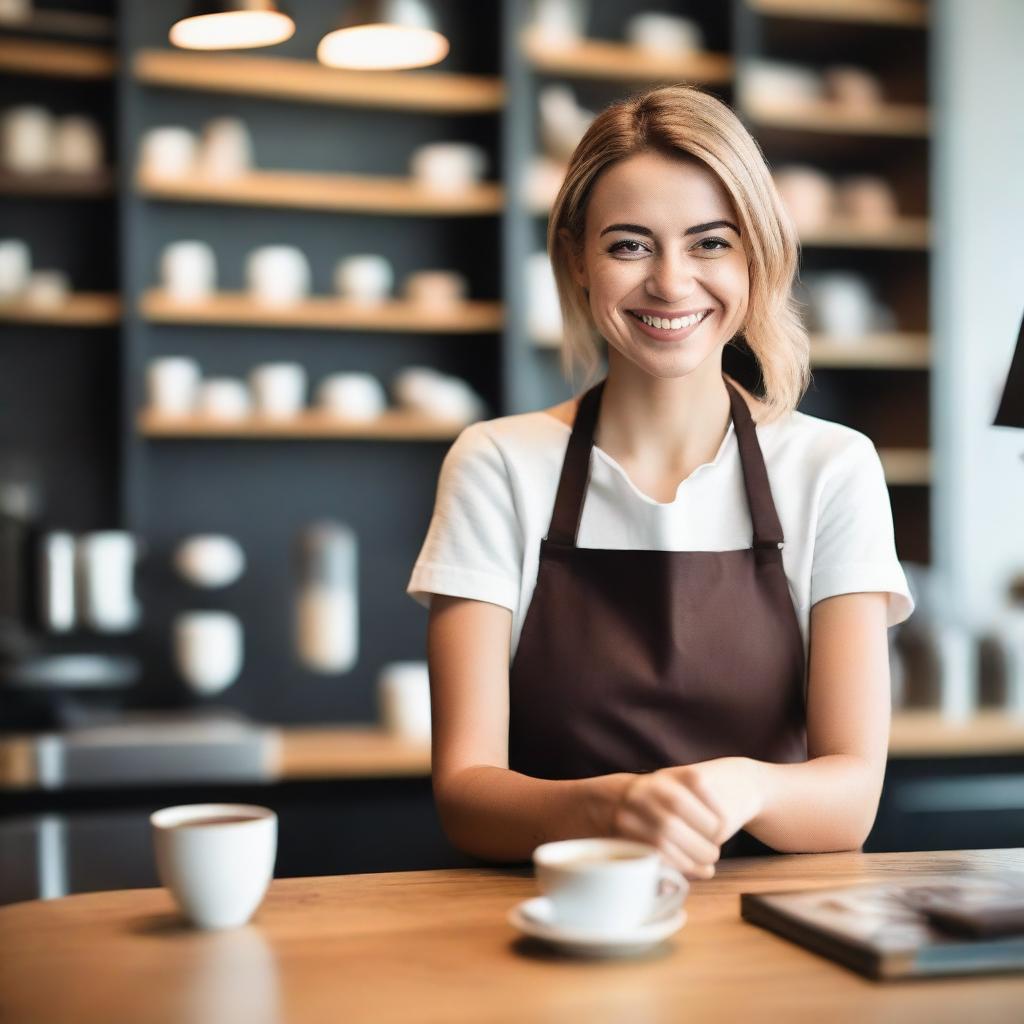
x=210, y=560
x=842, y=302
x=278, y=275
x=15, y=267
x=226, y=149
x=208, y=649
x=357, y=396
x=218, y=872
x=664, y=35
x=77, y=145
x=436, y=289
x=403, y=694
x=47, y=289
x=560, y=22
x=173, y=385
x=590, y=887
x=543, y=309
x=28, y=135
x=366, y=277
x=106, y=575
x=224, y=398
x=448, y=166
x=279, y=389
x=424, y=390
x=169, y=152
x=188, y=270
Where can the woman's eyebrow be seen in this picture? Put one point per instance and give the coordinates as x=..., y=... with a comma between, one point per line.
x=639, y=229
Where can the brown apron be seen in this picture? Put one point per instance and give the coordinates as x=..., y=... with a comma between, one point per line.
x=635, y=660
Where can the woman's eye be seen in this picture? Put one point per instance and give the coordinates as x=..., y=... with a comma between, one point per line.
x=719, y=243
x=617, y=247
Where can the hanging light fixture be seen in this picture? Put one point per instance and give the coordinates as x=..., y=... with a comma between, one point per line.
x=232, y=25
x=384, y=35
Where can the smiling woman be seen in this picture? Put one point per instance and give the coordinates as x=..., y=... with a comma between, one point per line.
x=659, y=610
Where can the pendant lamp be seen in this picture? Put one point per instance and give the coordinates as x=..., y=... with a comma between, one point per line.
x=384, y=35
x=232, y=25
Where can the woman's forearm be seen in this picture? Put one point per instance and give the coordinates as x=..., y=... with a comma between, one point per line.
x=827, y=803
x=498, y=814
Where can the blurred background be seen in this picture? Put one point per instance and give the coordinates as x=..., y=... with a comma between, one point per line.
x=249, y=296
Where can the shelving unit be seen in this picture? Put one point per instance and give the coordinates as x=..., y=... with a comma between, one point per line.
x=56, y=60
x=83, y=309
x=903, y=13
x=899, y=120
x=904, y=350
x=58, y=186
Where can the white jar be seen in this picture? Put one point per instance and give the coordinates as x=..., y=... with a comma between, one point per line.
x=403, y=693
x=327, y=611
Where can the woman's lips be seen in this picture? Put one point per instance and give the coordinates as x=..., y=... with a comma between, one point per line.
x=660, y=334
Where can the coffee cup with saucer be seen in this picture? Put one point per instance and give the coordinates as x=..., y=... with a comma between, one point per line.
x=602, y=897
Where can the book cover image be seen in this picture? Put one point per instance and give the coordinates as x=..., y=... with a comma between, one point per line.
x=883, y=930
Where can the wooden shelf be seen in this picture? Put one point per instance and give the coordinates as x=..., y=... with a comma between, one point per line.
x=901, y=120
x=620, y=62
x=906, y=466
x=304, y=80
x=68, y=24
x=904, y=233
x=325, y=313
x=312, y=425
x=82, y=309
x=306, y=190
x=906, y=13
x=55, y=60
x=57, y=186
x=898, y=350
x=925, y=733
x=352, y=752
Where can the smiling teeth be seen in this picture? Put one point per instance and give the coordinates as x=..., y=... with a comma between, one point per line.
x=673, y=325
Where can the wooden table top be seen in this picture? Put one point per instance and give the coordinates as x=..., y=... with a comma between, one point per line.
x=435, y=946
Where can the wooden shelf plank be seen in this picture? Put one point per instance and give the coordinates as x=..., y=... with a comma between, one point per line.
x=82, y=309
x=68, y=24
x=393, y=425
x=305, y=80
x=904, y=233
x=308, y=190
x=613, y=61
x=325, y=313
x=340, y=751
x=906, y=466
x=55, y=60
x=897, y=350
x=925, y=733
x=901, y=120
x=907, y=13
x=57, y=186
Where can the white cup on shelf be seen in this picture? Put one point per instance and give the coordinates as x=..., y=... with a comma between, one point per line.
x=224, y=398
x=278, y=389
x=364, y=277
x=208, y=649
x=77, y=145
x=278, y=275
x=15, y=267
x=226, y=149
x=173, y=385
x=47, y=289
x=448, y=167
x=403, y=694
x=168, y=151
x=188, y=271
x=664, y=35
x=28, y=139
x=357, y=396
x=436, y=289
x=106, y=572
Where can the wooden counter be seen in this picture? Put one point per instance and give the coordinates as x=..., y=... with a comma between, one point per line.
x=423, y=946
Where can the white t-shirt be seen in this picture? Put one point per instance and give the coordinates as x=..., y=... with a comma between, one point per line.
x=496, y=492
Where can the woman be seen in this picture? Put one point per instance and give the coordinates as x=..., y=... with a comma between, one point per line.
x=659, y=610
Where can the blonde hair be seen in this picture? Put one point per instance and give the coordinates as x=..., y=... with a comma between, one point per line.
x=683, y=120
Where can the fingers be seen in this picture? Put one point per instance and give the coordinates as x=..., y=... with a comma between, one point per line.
x=632, y=825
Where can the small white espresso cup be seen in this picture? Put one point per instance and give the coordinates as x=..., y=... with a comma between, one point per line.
x=364, y=277
x=278, y=389
x=173, y=385
x=188, y=270
x=352, y=395
x=216, y=859
x=403, y=696
x=448, y=166
x=278, y=275
x=208, y=649
x=606, y=884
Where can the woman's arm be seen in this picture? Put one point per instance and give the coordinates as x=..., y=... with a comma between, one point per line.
x=829, y=802
x=486, y=809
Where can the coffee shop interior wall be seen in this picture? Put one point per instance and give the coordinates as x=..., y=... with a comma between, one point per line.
x=71, y=396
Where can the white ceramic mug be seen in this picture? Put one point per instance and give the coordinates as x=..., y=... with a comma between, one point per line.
x=403, y=694
x=169, y=152
x=448, y=166
x=357, y=396
x=365, y=277
x=808, y=195
x=607, y=885
x=77, y=145
x=47, y=289
x=436, y=289
x=424, y=390
x=106, y=575
x=842, y=303
x=543, y=309
x=218, y=872
x=226, y=149
x=278, y=275
x=224, y=398
x=210, y=560
x=560, y=22
x=278, y=389
x=173, y=385
x=188, y=270
x=664, y=35
x=15, y=267
x=208, y=649
x=28, y=137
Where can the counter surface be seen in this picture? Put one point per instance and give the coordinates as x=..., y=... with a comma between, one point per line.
x=435, y=946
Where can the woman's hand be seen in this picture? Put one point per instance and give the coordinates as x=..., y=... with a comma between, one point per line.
x=688, y=811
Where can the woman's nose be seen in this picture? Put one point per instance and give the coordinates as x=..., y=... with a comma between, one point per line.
x=671, y=278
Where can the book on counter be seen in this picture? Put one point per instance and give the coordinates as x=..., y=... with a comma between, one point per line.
x=907, y=926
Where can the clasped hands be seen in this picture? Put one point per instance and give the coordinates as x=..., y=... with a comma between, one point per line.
x=689, y=811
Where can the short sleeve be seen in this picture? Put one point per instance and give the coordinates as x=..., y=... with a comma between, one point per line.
x=854, y=546
x=473, y=546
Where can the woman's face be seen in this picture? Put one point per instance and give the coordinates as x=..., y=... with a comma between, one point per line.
x=662, y=239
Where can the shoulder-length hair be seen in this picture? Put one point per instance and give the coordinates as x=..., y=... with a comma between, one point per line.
x=683, y=120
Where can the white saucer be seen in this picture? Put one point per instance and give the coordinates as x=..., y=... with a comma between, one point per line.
x=535, y=917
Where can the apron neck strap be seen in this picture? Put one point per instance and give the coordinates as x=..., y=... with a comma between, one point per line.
x=575, y=476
